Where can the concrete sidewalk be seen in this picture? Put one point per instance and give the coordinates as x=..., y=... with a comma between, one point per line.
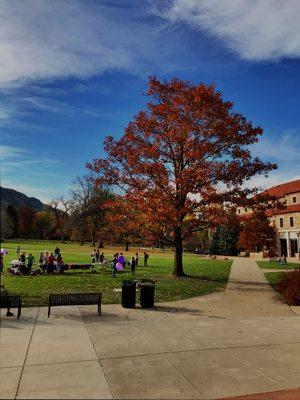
x=209, y=347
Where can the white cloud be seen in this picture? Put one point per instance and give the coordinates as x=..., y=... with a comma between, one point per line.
x=48, y=104
x=57, y=39
x=49, y=39
x=254, y=29
x=281, y=149
x=8, y=152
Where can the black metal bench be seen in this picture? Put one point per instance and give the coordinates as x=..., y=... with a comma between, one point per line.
x=74, y=299
x=11, y=301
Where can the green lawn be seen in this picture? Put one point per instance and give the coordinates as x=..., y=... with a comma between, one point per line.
x=274, y=278
x=276, y=265
x=205, y=276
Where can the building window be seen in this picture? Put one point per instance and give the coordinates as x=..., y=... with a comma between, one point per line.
x=281, y=222
x=294, y=199
x=291, y=221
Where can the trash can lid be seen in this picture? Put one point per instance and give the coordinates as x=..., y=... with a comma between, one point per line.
x=148, y=283
x=128, y=282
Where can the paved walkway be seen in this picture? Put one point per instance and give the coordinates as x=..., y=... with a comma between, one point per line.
x=215, y=346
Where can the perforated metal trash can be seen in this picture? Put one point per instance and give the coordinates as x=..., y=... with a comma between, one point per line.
x=147, y=294
x=128, y=294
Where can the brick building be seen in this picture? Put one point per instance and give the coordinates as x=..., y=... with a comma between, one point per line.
x=287, y=221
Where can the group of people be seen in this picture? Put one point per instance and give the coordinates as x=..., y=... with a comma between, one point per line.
x=48, y=263
x=51, y=262
x=119, y=259
x=97, y=257
x=118, y=263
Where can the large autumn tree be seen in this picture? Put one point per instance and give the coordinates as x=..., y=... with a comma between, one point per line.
x=173, y=157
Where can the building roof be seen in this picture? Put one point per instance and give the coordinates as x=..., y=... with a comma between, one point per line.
x=288, y=209
x=284, y=189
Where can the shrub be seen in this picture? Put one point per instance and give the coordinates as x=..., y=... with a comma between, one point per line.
x=290, y=287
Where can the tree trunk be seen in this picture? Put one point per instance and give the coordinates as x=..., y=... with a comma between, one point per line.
x=126, y=245
x=178, y=265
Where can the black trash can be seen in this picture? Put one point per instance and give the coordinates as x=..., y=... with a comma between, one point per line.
x=147, y=294
x=128, y=294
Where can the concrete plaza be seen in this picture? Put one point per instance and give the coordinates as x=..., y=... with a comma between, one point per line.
x=235, y=343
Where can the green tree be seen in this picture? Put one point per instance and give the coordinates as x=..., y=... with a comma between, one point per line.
x=224, y=241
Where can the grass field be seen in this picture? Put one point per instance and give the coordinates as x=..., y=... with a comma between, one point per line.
x=205, y=276
x=275, y=265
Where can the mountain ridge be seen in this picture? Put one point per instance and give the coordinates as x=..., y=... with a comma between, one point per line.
x=18, y=199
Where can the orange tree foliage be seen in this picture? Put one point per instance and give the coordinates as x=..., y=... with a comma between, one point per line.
x=173, y=155
x=122, y=222
x=256, y=233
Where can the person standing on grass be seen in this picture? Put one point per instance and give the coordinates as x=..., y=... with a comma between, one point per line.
x=45, y=262
x=22, y=257
x=114, y=262
x=30, y=262
x=56, y=251
x=136, y=259
x=132, y=266
x=146, y=257
x=18, y=250
x=50, y=264
x=93, y=256
x=59, y=263
x=122, y=260
x=97, y=255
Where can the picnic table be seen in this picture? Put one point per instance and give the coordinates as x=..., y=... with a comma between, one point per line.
x=16, y=263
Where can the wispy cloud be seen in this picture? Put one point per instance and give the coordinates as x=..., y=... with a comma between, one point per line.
x=255, y=30
x=57, y=39
x=11, y=152
x=283, y=150
x=48, y=104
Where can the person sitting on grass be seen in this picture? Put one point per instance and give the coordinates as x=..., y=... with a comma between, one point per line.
x=4, y=292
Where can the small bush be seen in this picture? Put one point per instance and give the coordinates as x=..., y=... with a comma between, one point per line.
x=290, y=287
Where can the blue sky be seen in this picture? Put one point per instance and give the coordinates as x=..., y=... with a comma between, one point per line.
x=72, y=72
